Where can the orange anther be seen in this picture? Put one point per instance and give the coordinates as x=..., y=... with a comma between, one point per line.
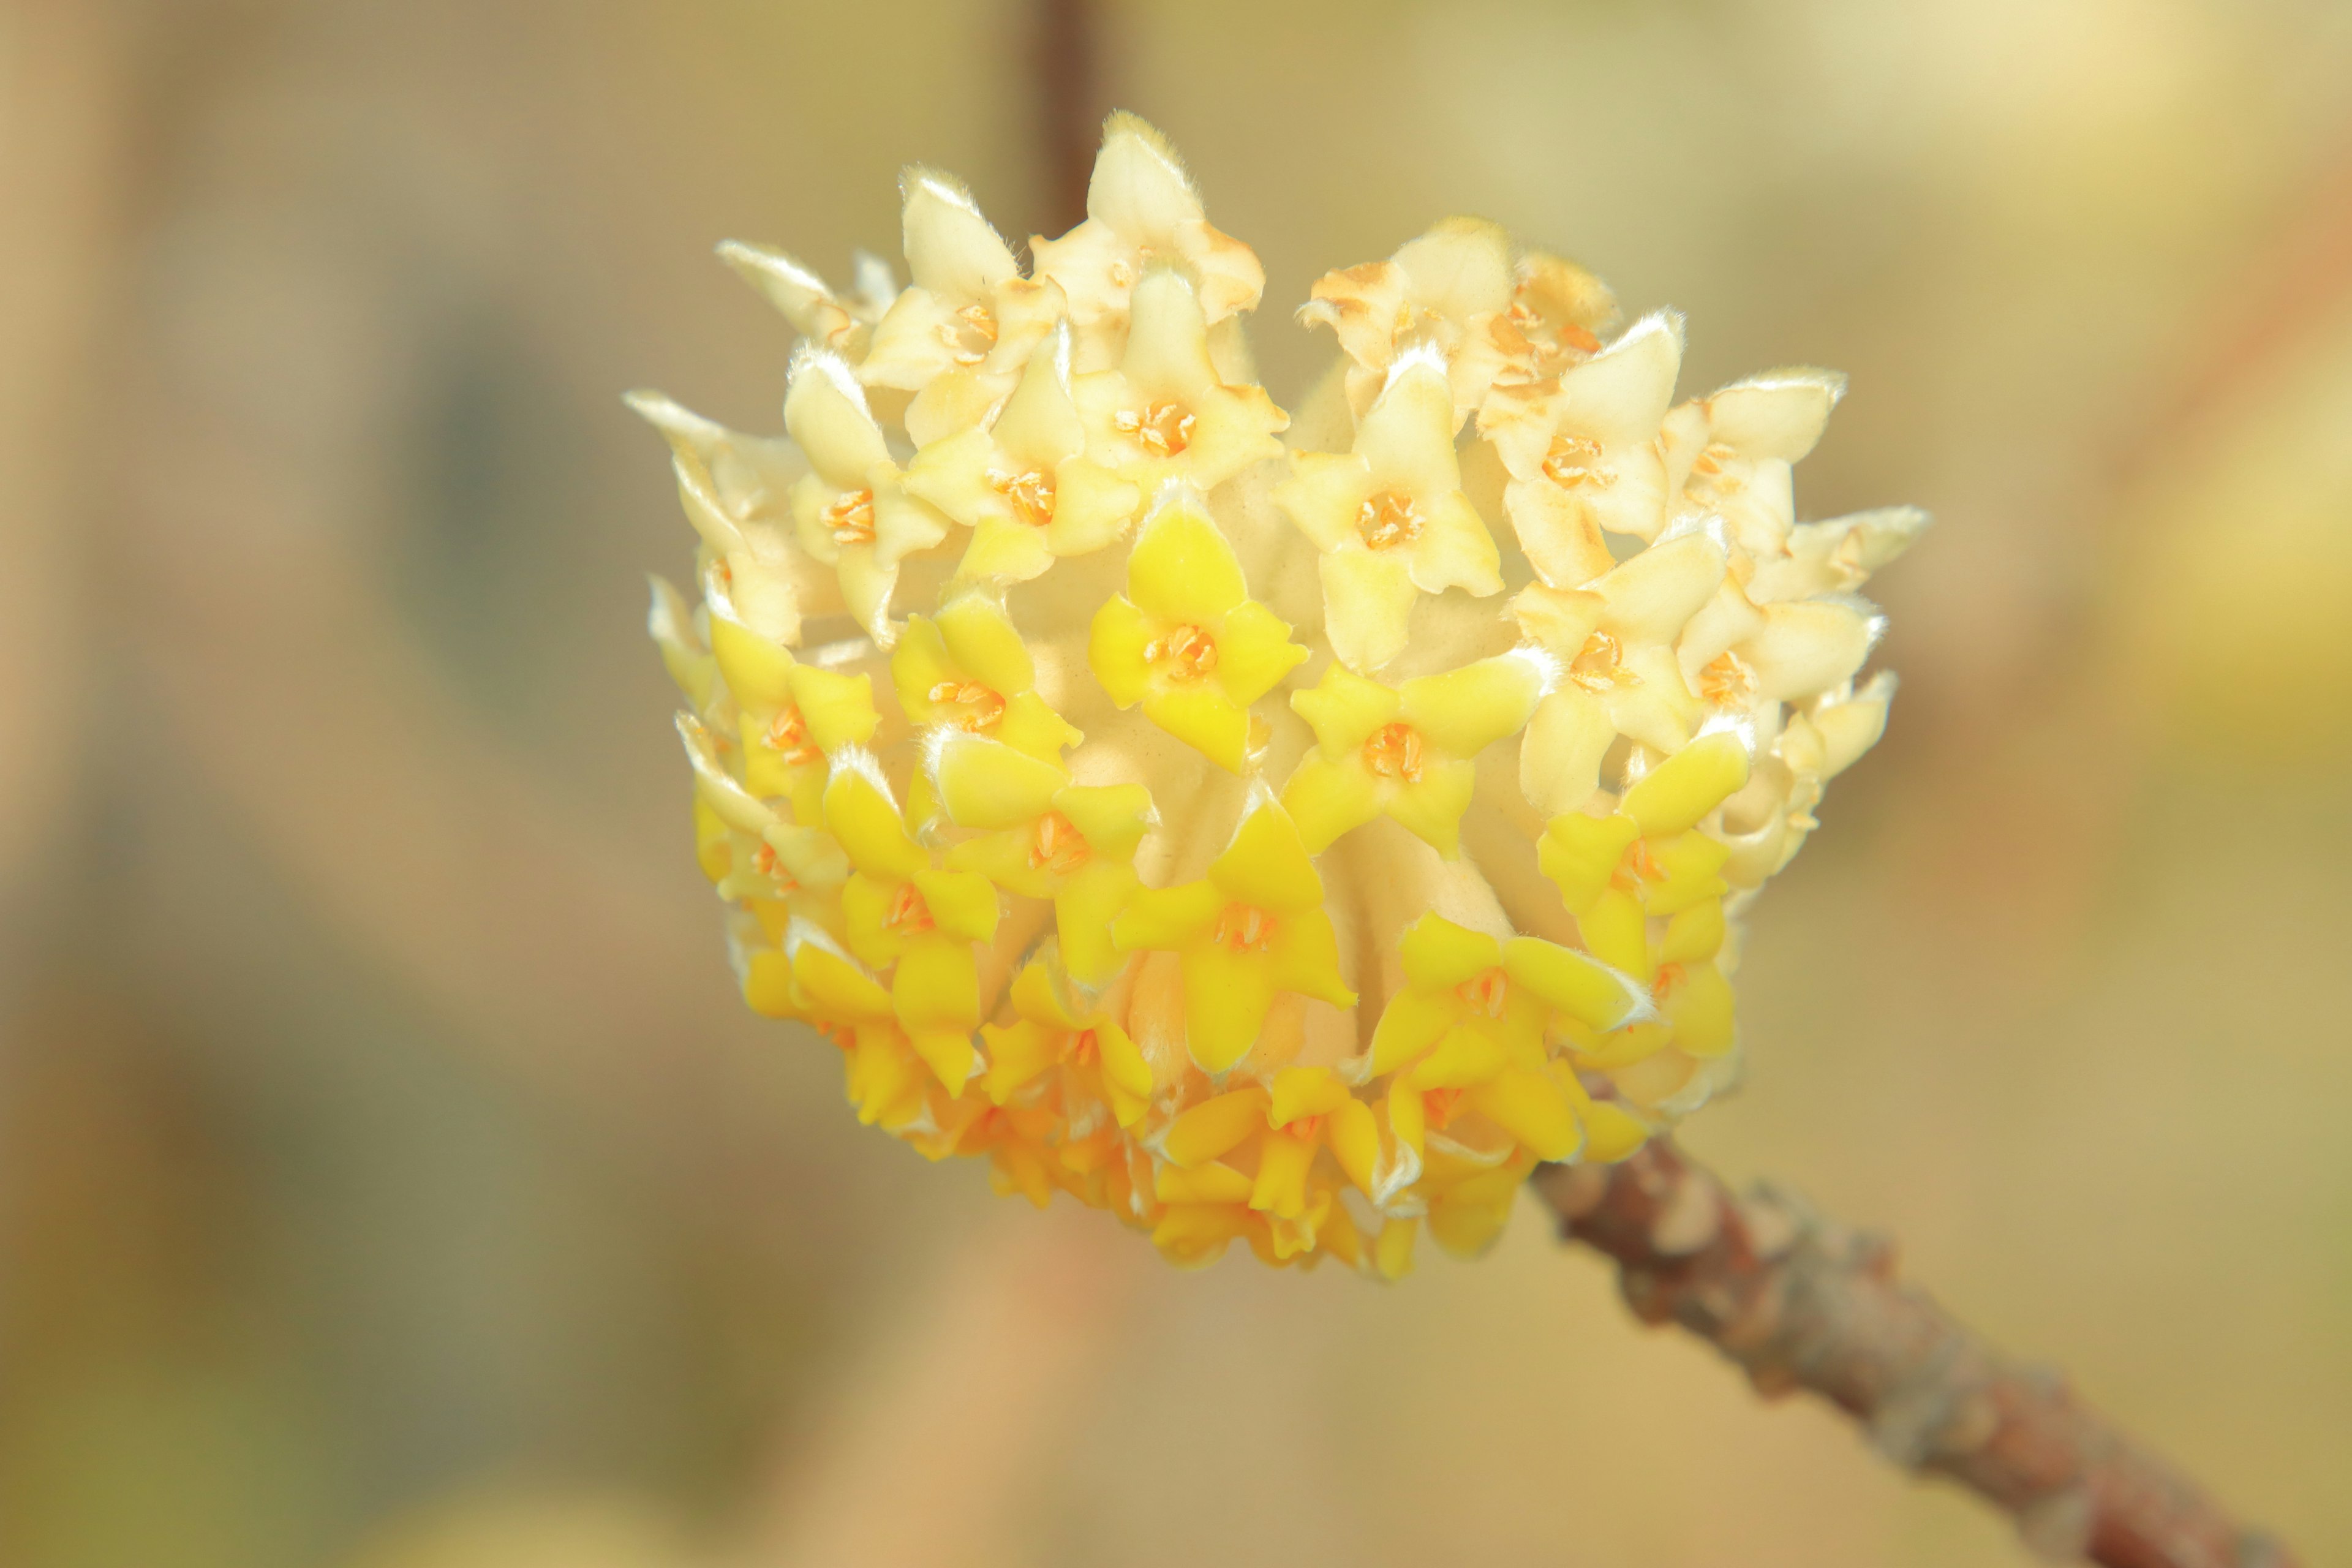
x=1388, y=519
x=1031, y=493
x=1163, y=427
x=1186, y=653
x=1728, y=681
x=1600, y=665
x=1082, y=1047
x=909, y=915
x=788, y=732
x=1637, y=867
x=1438, y=1105
x=1575, y=460
x=1245, y=928
x=1394, y=752
x=1669, y=976
x=1057, y=845
x=851, y=517
x=1486, y=994
x=981, y=707
x=1304, y=1127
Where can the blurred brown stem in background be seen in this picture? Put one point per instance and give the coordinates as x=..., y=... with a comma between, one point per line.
x=1070, y=106
x=1800, y=1301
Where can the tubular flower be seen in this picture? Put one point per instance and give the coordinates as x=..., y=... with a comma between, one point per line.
x=1203, y=844
x=1390, y=517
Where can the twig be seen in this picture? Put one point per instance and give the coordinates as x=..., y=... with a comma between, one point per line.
x=1801, y=1301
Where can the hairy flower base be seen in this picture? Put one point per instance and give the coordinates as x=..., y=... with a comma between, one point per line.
x=1212, y=841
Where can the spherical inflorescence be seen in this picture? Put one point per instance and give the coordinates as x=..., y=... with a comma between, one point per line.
x=1290, y=831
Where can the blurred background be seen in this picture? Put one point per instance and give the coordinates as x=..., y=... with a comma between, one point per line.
x=388, y=1174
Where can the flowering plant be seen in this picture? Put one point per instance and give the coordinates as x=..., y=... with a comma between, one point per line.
x=1289, y=830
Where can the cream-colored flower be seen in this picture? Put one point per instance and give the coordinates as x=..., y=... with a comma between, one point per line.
x=1730, y=454
x=959, y=336
x=1556, y=313
x=1583, y=451
x=1446, y=289
x=843, y=323
x=1024, y=480
x=1389, y=518
x=1166, y=413
x=852, y=511
x=1142, y=211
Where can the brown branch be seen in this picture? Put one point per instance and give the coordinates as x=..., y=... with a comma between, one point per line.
x=1801, y=1301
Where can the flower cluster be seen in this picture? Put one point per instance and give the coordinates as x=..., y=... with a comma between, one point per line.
x=1279, y=831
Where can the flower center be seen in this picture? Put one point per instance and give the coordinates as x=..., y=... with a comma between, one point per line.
x=851, y=517
x=763, y=861
x=909, y=915
x=982, y=708
x=1709, y=465
x=1549, y=347
x=787, y=732
x=1728, y=681
x=1575, y=460
x=1245, y=928
x=1438, y=1105
x=1484, y=994
x=1032, y=494
x=1082, y=1047
x=1637, y=866
x=971, y=334
x=1057, y=845
x=1600, y=665
x=1388, y=518
x=1304, y=1128
x=1187, y=653
x=1165, y=428
x=1394, y=752
x=1669, y=976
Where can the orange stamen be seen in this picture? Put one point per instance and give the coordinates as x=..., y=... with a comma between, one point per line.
x=1057, y=845
x=1394, y=752
x=788, y=732
x=1575, y=460
x=1388, y=519
x=1163, y=427
x=1486, y=994
x=1186, y=653
x=981, y=707
x=1082, y=1047
x=851, y=517
x=1438, y=1105
x=1031, y=493
x=1598, y=665
x=1728, y=681
x=1245, y=928
x=909, y=915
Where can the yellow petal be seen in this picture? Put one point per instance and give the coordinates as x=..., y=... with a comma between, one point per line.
x=987, y=785
x=1267, y=864
x=1615, y=932
x=1611, y=1132
x=981, y=638
x=1414, y=1021
x=865, y=822
x=1368, y=599
x=1226, y=996
x=1304, y=1091
x=837, y=990
x=1560, y=756
x=962, y=903
x=1465, y=710
x=1113, y=818
x=1580, y=852
x=1283, y=1163
x=1431, y=809
x=1393, y=1250
x=1305, y=953
x=1253, y=652
x=1577, y=983
x=1323, y=495
x=1214, y=1182
x=1673, y=796
x=1017, y=1053
x=1355, y=1137
x=1092, y=507
x=1694, y=934
x=1439, y=956
x=1165, y=919
x=838, y=709
x=1532, y=1109
x=1215, y=1126
x=1201, y=716
x=1327, y=799
x=1182, y=571
x=1344, y=710
x=1115, y=648
x=1463, y=1057
x=1700, y=1007
x=1085, y=907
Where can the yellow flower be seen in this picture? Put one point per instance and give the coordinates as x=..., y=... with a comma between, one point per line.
x=1407, y=752
x=1166, y=413
x=969, y=669
x=902, y=911
x=852, y=511
x=1186, y=641
x=1583, y=451
x=958, y=336
x=1020, y=860
x=1141, y=206
x=1024, y=481
x=1253, y=926
x=1446, y=289
x=1390, y=516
